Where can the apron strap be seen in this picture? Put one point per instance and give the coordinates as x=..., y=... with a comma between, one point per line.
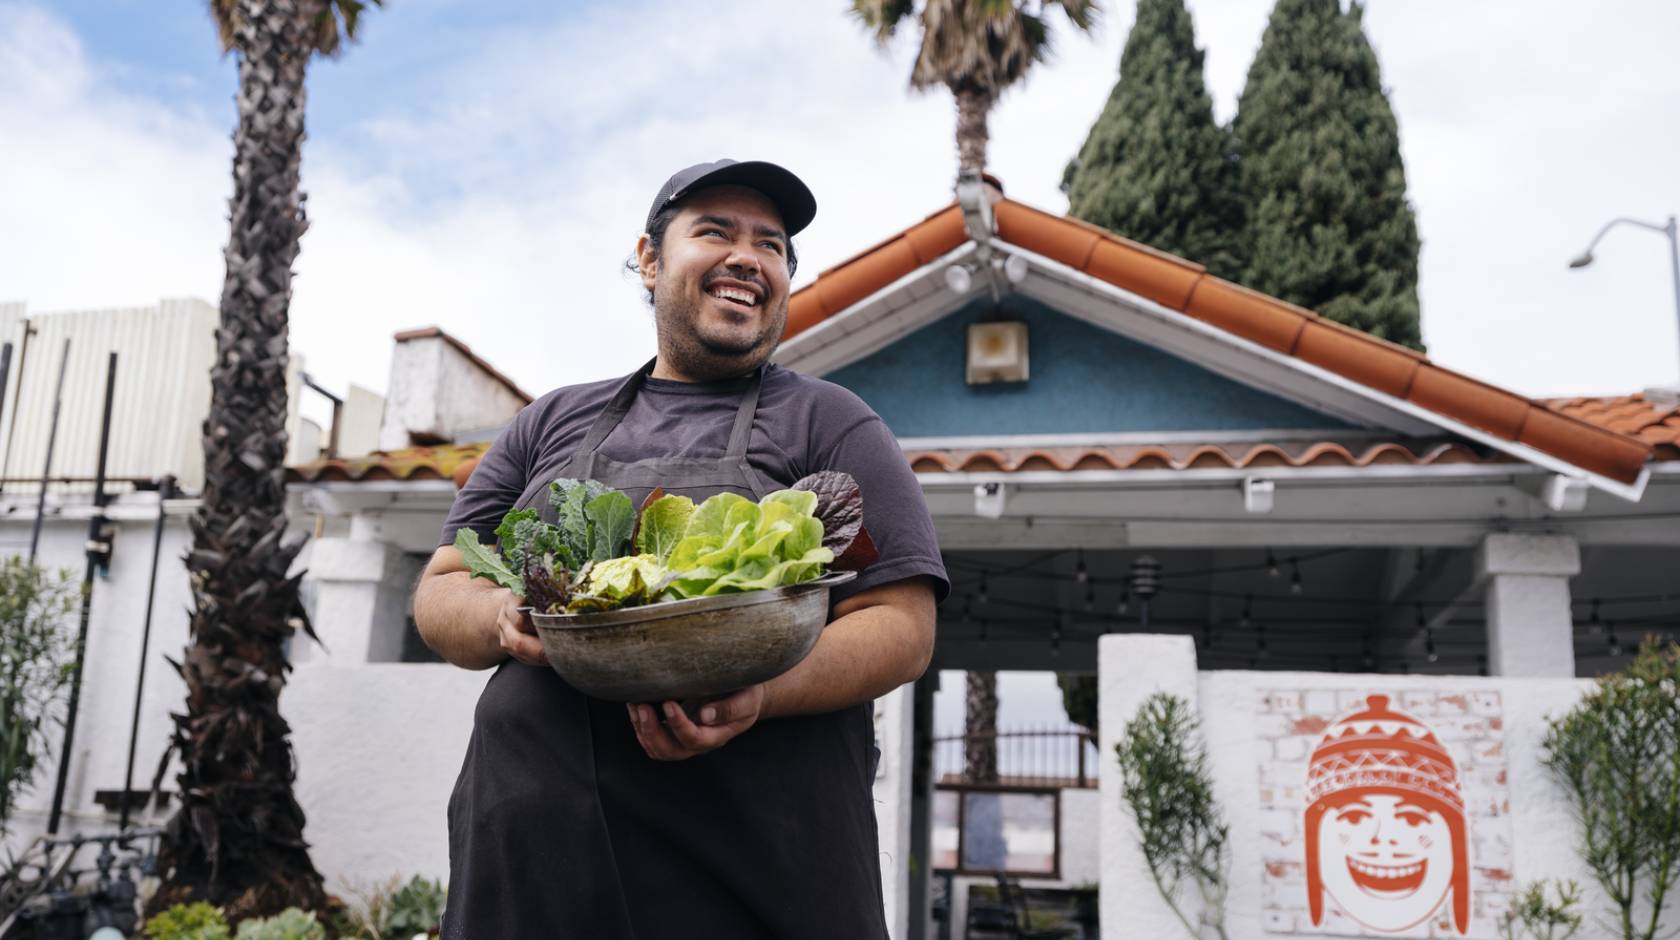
x=610, y=416
x=742, y=432
x=616, y=409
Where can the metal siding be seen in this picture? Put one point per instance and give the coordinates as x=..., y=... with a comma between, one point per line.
x=164, y=356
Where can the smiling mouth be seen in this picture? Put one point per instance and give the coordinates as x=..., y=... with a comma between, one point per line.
x=734, y=298
x=1388, y=879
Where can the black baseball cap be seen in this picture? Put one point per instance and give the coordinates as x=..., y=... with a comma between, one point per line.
x=792, y=197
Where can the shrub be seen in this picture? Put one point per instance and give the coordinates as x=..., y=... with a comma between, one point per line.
x=1617, y=756
x=1532, y=914
x=290, y=924
x=199, y=920
x=37, y=661
x=1164, y=779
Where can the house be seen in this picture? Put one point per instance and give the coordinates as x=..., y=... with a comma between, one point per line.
x=1116, y=447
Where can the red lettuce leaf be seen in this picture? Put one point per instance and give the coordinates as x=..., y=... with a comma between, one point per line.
x=840, y=508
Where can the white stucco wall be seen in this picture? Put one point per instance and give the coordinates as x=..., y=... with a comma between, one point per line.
x=1131, y=667
x=378, y=749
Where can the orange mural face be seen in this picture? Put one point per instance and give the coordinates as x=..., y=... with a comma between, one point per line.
x=1386, y=836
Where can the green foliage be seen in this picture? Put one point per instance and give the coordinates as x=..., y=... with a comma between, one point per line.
x=416, y=907
x=1156, y=167
x=290, y=924
x=1533, y=914
x=1079, y=698
x=37, y=662
x=1617, y=756
x=199, y=920
x=1328, y=225
x=732, y=544
x=396, y=910
x=1165, y=781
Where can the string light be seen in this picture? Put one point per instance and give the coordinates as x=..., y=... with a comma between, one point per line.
x=1272, y=569
x=981, y=593
x=1615, y=642
x=1125, y=604
x=1079, y=573
x=1429, y=645
x=1295, y=577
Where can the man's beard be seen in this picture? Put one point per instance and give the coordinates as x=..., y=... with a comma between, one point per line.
x=706, y=358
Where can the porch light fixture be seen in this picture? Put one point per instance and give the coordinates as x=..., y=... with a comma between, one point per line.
x=997, y=352
x=1672, y=230
x=1258, y=496
x=990, y=500
x=958, y=280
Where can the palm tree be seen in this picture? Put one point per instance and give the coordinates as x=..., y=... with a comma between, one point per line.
x=236, y=839
x=976, y=48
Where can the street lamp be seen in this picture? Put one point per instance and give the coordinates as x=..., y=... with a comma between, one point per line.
x=1671, y=230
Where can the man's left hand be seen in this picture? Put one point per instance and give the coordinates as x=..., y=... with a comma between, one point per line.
x=679, y=737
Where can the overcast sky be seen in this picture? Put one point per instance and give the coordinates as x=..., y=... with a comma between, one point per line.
x=485, y=167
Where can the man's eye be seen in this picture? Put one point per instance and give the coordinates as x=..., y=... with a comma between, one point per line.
x=1414, y=819
x=1354, y=816
x=773, y=246
x=712, y=231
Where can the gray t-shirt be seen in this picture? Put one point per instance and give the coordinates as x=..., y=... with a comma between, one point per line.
x=803, y=425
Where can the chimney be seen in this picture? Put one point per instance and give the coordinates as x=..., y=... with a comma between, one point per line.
x=441, y=392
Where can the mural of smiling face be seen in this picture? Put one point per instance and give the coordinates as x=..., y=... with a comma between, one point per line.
x=1386, y=834
x=1385, y=858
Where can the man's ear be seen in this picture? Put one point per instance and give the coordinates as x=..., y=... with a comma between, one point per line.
x=648, y=260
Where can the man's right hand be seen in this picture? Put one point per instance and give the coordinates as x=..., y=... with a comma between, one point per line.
x=518, y=635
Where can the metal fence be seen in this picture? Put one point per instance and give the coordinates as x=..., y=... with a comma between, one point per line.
x=1035, y=757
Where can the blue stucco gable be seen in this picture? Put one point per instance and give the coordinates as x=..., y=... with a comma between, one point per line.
x=1084, y=379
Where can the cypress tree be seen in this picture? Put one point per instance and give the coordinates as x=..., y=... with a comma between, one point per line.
x=1324, y=190
x=1155, y=167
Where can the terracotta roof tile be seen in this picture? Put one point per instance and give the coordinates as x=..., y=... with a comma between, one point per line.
x=1616, y=446
x=1655, y=423
x=1195, y=457
x=411, y=463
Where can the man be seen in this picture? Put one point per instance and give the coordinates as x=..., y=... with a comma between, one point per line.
x=574, y=817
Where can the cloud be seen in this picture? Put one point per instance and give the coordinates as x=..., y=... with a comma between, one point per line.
x=493, y=182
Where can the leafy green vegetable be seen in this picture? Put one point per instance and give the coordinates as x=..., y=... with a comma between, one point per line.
x=611, y=517
x=663, y=524
x=569, y=499
x=484, y=562
x=523, y=533
x=732, y=544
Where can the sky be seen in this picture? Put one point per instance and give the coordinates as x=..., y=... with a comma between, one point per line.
x=484, y=168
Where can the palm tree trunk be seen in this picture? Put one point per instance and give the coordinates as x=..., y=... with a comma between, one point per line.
x=980, y=735
x=973, y=107
x=237, y=837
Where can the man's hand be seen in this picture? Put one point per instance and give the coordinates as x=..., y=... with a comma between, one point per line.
x=516, y=632
x=680, y=738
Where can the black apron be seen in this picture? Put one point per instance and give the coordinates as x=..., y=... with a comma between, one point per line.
x=561, y=826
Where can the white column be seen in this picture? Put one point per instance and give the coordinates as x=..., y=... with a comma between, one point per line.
x=1130, y=668
x=349, y=615
x=893, y=713
x=1525, y=577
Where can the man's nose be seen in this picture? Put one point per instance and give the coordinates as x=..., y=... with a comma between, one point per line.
x=743, y=258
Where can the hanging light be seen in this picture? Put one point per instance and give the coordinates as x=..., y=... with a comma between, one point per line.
x=1080, y=574
x=1615, y=642
x=1295, y=577
x=1090, y=597
x=1125, y=602
x=1272, y=570
x=1429, y=645
x=981, y=593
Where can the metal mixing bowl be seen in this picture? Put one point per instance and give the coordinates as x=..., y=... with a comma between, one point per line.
x=695, y=648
